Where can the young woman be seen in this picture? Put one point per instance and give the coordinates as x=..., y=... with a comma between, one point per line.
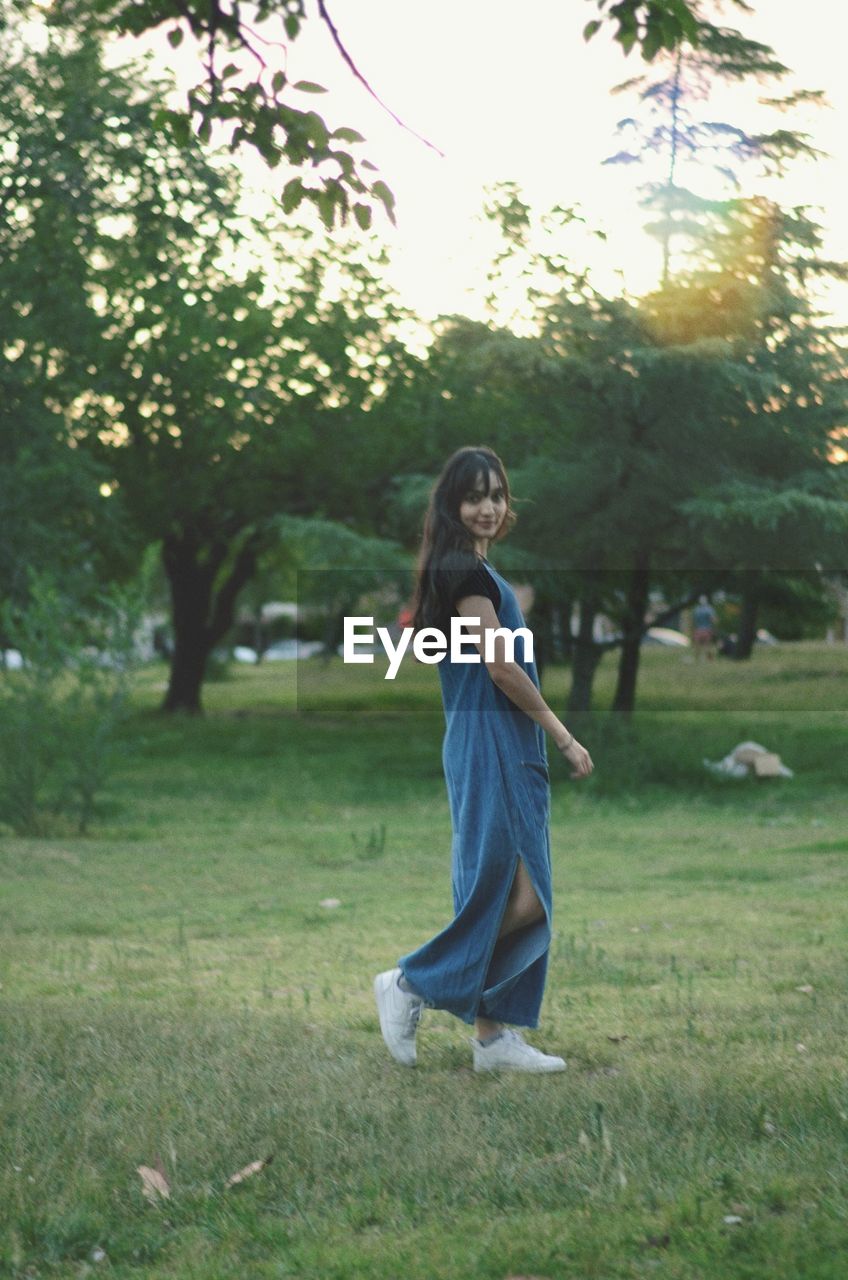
x=488, y=966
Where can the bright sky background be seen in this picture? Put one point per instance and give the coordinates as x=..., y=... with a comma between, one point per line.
x=514, y=93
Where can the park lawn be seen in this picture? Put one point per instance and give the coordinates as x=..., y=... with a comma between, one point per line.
x=173, y=989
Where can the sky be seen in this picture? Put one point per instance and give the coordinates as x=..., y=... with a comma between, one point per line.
x=514, y=93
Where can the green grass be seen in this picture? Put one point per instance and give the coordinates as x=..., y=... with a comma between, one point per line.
x=173, y=989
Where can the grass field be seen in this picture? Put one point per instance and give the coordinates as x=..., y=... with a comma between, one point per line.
x=173, y=990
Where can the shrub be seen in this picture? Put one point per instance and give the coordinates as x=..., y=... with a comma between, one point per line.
x=59, y=713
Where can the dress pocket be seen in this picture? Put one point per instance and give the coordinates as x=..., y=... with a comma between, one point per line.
x=538, y=767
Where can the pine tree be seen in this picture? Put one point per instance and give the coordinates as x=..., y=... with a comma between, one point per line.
x=677, y=132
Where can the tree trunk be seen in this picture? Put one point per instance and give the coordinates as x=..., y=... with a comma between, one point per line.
x=634, y=622
x=543, y=635
x=188, y=669
x=586, y=656
x=258, y=635
x=674, y=139
x=563, y=626
x=201, y=615
x=747, y=632
x=191, y=596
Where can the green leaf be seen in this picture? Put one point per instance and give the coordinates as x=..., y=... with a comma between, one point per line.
x=347, y=135
x=362, y=214
x=309, y=86
x=293, y=193
x=591, y=28
x=381, y=192
x=278, y=81
x=161, y=118
x=204, y=131
x=175, y=37
x=326, y=205
x=652, y=43
x=180, y=128
x=315, y=129
x=345, y=163
x=292, y=25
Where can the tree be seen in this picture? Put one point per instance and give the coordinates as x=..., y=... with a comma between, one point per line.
x=243, y=88
x=682, y=140
x=243, y=93
x=781, y=510
x=54, y=513
x=214, y=405
x=746, y=284
x=650, y=25
x=657, y=409
x=647, y=430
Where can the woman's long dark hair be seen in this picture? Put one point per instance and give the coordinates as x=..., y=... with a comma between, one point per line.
x=447, y=548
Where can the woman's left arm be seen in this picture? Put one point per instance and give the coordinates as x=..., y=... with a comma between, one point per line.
x=513, y=680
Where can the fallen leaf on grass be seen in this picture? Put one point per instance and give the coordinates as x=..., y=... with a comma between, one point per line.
x=330, y=903
x=732, y=1219
x=248, y=1171
x=154, y=1184
x=617, y=1039
x=806, y=990
x=801, y=1048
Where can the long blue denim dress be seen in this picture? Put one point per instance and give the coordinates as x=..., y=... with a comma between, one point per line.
x=498, y=785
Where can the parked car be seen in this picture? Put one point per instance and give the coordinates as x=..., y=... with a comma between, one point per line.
x=668, y=637
x=665, y=636
x=289, y=650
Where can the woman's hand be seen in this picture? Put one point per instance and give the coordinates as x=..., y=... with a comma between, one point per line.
x=577, y=756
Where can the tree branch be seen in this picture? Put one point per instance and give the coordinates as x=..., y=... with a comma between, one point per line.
x=241, y=573
x=337, y=41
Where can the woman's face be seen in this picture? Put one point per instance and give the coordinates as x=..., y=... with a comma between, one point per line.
x=483, y=513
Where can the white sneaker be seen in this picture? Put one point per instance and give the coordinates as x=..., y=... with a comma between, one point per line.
x=399, y=1013
x=510, y=1052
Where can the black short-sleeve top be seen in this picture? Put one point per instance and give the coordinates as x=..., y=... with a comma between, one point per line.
x=478, y=582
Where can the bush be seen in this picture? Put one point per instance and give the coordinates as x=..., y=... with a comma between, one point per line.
x=59, y=713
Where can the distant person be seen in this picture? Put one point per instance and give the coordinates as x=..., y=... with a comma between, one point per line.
x=704, y=618
x=488, y=966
